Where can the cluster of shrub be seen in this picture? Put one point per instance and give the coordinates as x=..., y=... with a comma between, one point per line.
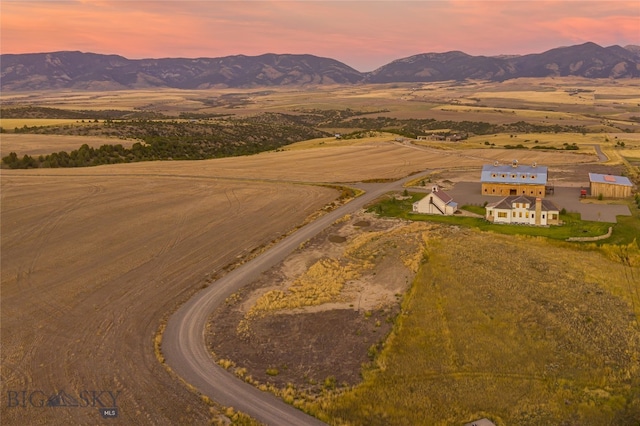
x=565, y=146
x=412, y=128
x=88, y=115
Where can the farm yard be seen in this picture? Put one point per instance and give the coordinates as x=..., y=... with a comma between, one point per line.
x=95, y=259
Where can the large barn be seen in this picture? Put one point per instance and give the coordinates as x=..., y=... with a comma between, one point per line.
x=513, y=179
x=609, y=186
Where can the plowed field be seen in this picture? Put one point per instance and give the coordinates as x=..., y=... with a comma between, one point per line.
x=90, y=266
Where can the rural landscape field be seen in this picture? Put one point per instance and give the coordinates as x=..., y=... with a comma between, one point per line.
x=118, y=207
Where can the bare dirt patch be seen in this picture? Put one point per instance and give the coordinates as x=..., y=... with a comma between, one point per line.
x=327, y=343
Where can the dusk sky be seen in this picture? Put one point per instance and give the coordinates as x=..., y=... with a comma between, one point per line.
x=363, y=34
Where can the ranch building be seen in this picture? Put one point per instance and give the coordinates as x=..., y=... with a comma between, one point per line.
x=436, y=202
x=523, y=209
x=609, y=186
x=504, y=180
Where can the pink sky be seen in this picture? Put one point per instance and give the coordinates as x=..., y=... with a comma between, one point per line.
x=363, y=34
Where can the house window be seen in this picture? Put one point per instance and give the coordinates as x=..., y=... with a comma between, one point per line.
x=513, y=176
x=494, y=190
x=533, y=215
x=503, y=175
x=485, y=190
x=514, y=214
x=502, y=214
x=533, y=176
x=520, y=215
x=543, y=215
x=523, y=176
x=554, y=216
x=526, y=215
x=493, y=175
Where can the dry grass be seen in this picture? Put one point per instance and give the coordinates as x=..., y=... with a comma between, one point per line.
x=17, y=123
x=385, y=160
x=321, y=283
x=530, y=334
x=332, y=279
x=35, y=145
x=531, y=140
x=532, y=99
x=513, y=113
x=544, y=97
x=332, y=142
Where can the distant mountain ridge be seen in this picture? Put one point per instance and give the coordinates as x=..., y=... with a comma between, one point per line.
x=91, y=71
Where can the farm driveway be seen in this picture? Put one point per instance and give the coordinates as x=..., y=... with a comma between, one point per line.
x=184, y=344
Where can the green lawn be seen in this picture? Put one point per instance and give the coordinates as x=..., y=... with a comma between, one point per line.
x=573, y=226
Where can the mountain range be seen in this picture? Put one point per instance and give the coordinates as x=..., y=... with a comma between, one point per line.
x=91, y=71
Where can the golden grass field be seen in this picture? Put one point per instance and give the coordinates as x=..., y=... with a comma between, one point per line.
x=94, y=259
x=530, y=334
x=17, y=123
x=35, y=145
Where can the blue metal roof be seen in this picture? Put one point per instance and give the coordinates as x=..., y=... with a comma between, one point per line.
x=506, y=173
x=610, y=179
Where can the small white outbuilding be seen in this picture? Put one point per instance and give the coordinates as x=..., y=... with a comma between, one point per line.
x=436, y=202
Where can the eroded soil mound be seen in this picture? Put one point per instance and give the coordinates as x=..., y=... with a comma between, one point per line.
x=316, y=318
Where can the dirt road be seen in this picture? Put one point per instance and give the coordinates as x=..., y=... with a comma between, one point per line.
x=184, y=344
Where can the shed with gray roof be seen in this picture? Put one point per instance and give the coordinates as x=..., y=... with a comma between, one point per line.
x=610, y=186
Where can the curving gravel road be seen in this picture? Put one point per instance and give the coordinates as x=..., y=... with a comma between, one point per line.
x=183, y=342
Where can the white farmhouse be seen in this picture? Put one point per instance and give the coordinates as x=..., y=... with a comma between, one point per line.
x=522, y=209
x=436, y=202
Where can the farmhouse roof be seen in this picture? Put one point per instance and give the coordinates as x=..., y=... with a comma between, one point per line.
x=523, y=175
x=609, y=179
x=507, y=203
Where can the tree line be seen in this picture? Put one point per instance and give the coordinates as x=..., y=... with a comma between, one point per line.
x=169, y=140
